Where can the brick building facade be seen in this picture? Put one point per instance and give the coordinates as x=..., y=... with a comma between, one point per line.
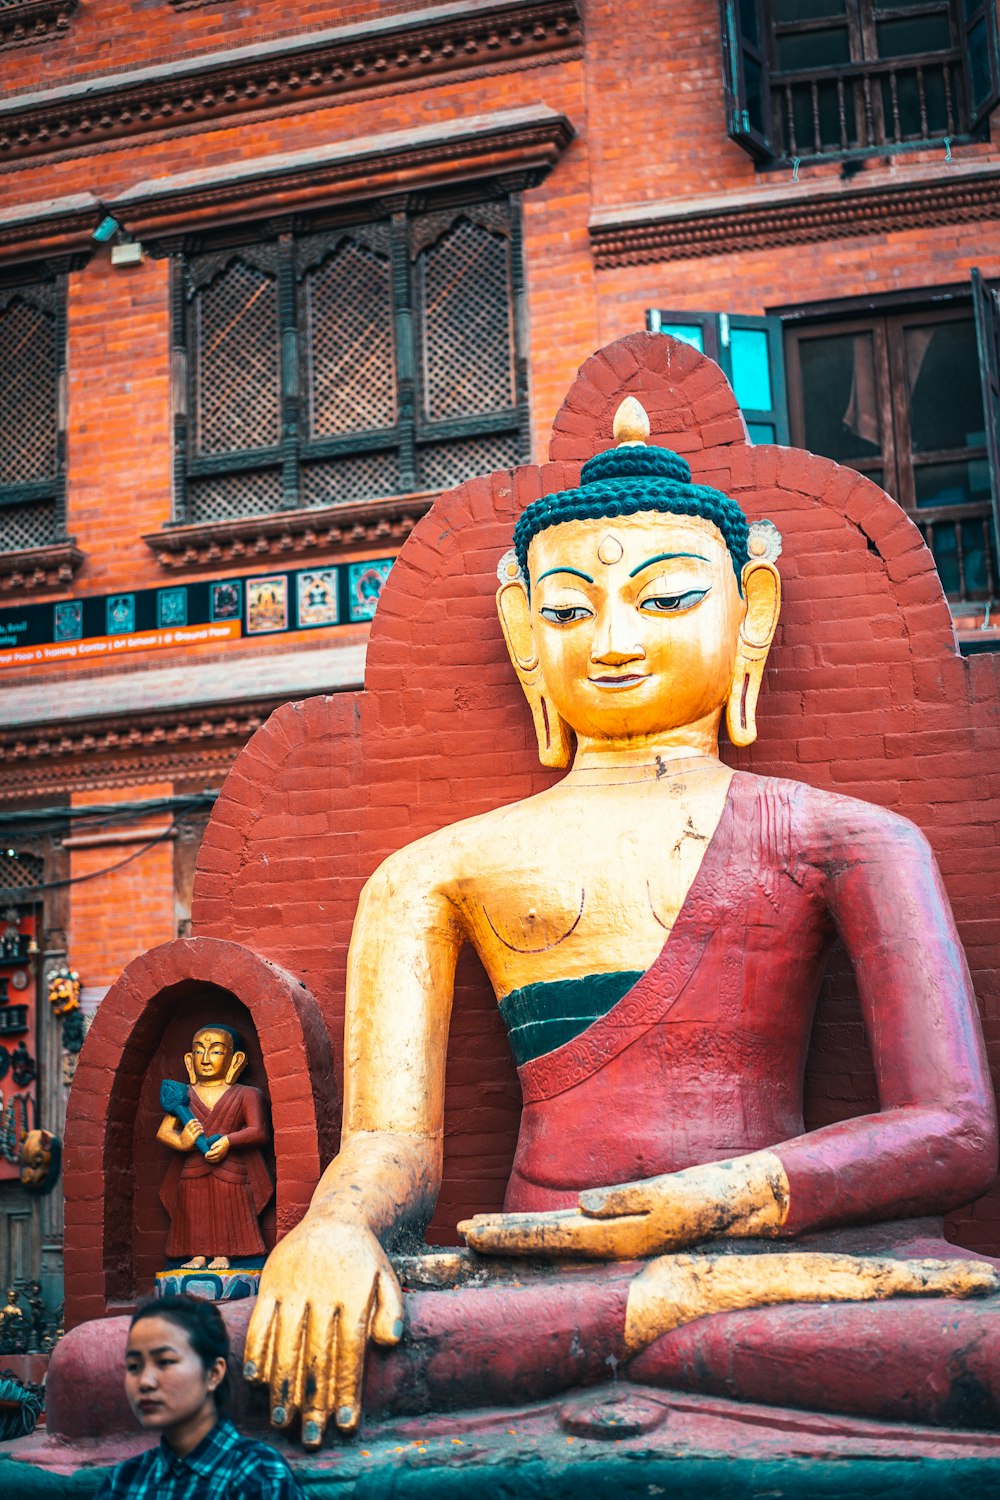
x=266, y=290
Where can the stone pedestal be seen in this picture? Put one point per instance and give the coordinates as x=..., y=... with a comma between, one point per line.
x=215, y=1286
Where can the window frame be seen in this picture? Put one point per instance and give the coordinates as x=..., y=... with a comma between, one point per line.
x=986, y=308
x=412, y=432
x=896, y=461
x=47, y=292
x=716, y=342
x=871, y=133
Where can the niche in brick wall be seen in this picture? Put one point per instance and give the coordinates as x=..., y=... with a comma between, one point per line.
x=137, y=1223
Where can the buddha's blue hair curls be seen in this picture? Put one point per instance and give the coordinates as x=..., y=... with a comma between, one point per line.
x=629, y=479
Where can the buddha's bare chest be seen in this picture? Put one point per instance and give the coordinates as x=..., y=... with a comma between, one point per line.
x=586, y=888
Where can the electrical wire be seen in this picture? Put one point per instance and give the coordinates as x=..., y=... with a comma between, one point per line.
x=56, y=885
x=54, y=819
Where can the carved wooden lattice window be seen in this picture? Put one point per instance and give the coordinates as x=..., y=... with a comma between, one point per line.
x=347, y=363
x=19, y=875
x=32, y=444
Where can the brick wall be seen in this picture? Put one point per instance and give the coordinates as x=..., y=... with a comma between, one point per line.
x=116, y=915
x=119, y=425
x=136, y=34
x=786, y=275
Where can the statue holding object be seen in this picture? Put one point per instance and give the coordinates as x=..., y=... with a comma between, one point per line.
x=218, y=1185
x=655, y=928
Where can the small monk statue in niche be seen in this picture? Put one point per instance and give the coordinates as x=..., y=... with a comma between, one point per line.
x=655, y=927
x=215, y=1198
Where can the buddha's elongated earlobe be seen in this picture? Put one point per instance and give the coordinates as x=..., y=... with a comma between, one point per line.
x=555, y=738
x=762, y=591
x=189, y=1064
x=237, y=1063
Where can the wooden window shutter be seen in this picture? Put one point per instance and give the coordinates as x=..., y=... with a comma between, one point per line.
x=980, y=56
x=986, y=302
x=31, y=444
x=745, y=73
x=350, y=358
x=750, y=352
x=347, y=338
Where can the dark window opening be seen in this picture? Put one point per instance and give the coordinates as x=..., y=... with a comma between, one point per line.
x=349, y=361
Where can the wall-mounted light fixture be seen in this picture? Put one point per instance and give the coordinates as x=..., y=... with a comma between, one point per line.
x=128, y=253
x=106, y=229
x=125, y=250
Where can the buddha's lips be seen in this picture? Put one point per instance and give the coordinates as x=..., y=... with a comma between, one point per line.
x=628, y=679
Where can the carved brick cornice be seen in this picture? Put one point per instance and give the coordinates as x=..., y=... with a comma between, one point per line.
x=289, y=534
x=45, y=778
x=953, y=195
x=526, y=141
x=59, y=227
x=24, y=21
x=166, y=744
x=291, y=74
x=40, y=567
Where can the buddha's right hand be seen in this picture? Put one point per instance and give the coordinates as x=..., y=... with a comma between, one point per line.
x=326, y=1289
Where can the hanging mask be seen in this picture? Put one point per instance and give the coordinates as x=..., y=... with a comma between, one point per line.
x=41, y=1154
x=22, y=1066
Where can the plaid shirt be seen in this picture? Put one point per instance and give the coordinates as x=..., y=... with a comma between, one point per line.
x=224, y=1466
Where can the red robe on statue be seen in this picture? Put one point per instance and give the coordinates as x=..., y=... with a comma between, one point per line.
x=214, y=1206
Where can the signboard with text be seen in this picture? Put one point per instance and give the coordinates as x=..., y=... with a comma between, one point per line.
x=116, y=626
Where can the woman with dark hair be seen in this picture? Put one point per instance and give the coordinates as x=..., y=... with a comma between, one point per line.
x=177, y=1383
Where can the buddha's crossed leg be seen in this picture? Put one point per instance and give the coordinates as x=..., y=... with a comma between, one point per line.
x=795, y=1328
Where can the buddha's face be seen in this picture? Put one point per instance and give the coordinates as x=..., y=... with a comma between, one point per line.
x=211, y=1054
x=635, y=622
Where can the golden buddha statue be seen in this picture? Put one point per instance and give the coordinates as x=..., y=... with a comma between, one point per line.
x=655, y=928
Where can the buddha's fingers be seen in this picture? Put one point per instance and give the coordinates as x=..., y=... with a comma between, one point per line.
x=260, y=1341
x=285, y=1365
x=560, y=1234
x=349, y=1367
x=946, y=1278
x=317, y=1394
x=387, y=1319
x=626, y=1198
x=678, y=1289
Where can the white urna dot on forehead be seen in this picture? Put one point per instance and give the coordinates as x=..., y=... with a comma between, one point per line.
x=610, y=551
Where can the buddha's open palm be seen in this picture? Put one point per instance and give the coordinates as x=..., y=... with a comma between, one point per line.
x=326, y=1290
x=746, y=1196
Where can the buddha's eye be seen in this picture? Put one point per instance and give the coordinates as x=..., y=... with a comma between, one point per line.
x=565, y=614
x=672, y=604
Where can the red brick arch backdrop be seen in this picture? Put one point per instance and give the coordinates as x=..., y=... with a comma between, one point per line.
x=865, y=694
x=116, y=1227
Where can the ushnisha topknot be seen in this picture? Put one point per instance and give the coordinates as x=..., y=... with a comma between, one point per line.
x=631, y=478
